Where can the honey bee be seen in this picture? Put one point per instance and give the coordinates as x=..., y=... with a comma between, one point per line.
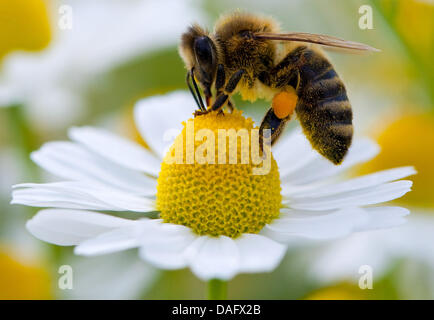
x=248, y=54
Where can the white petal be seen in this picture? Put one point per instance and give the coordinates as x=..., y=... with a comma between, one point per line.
x=79, y=195
x=47, y=198
x=293, y=152
x=165, y=244
x=334, y=224
x=259, y=253
x=298, y=213
x=112, y=241
x=214, y=258
x=366, y=196
x=162, y=115
x=289, y=239
x=362, y=182
x=329, y=226
x=320, y=168
x=170, y=246
x=71, y=227
x=119, y=150
x=71, y=161
x=384, y=217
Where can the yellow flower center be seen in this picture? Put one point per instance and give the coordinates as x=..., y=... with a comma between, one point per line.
x=221, y=198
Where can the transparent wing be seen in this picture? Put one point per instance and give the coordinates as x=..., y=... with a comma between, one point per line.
x=320, y=39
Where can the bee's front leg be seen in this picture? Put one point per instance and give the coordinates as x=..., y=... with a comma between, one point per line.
x=220, y=78
x=218, y=104
x=223, y=95
x=230, y=106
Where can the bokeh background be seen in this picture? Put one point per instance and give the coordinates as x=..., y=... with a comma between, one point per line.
x=55, y=74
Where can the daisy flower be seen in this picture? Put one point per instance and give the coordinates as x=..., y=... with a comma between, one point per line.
x=217, y=219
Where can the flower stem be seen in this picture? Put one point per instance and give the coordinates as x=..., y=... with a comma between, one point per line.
x=217, y=289
x=22, y=138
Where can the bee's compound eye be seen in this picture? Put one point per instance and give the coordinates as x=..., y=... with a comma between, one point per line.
x=203, y=50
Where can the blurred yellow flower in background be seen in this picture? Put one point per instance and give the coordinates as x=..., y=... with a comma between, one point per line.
x=350, y=291
x=24, y=25
x=340, y=291
x=413, y=21
x=23, y=281
x=409, y=140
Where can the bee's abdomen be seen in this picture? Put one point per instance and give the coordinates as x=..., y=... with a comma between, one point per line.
x=323, y=108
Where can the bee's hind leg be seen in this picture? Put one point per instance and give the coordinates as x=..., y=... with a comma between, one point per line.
x=278, y=115
x=274, y=124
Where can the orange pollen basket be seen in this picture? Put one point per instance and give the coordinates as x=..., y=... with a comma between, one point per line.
x=284, y=104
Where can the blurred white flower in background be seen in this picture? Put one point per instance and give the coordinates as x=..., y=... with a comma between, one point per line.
x=9, y=170
x=8, y=96
x=115, y=276
x=340, y=260
x=103, y=34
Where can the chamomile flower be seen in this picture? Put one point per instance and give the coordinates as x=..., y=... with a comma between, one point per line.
x=217, y=219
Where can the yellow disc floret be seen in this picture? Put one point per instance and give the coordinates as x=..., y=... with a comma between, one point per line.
x=221, y=196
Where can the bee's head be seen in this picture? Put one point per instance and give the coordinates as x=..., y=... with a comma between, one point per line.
x=199, y=53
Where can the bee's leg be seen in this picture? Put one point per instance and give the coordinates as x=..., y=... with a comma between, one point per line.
x=220, y=79
x=208, y=98
x=272, y=123
x=219, y=83
x=234, y=80
x=284, y=76
x=223, y=97
x=230, y=105
x=229, y=89
x=218, y=104
x=278, y=115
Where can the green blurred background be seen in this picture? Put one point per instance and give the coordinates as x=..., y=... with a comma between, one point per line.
x=91, y=71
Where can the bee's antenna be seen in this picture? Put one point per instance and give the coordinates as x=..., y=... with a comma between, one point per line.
x=196, y=94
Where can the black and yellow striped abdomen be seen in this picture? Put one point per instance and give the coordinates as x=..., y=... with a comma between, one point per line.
x=323, y=107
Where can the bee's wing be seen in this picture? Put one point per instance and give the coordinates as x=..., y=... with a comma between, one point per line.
x=320, y=39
